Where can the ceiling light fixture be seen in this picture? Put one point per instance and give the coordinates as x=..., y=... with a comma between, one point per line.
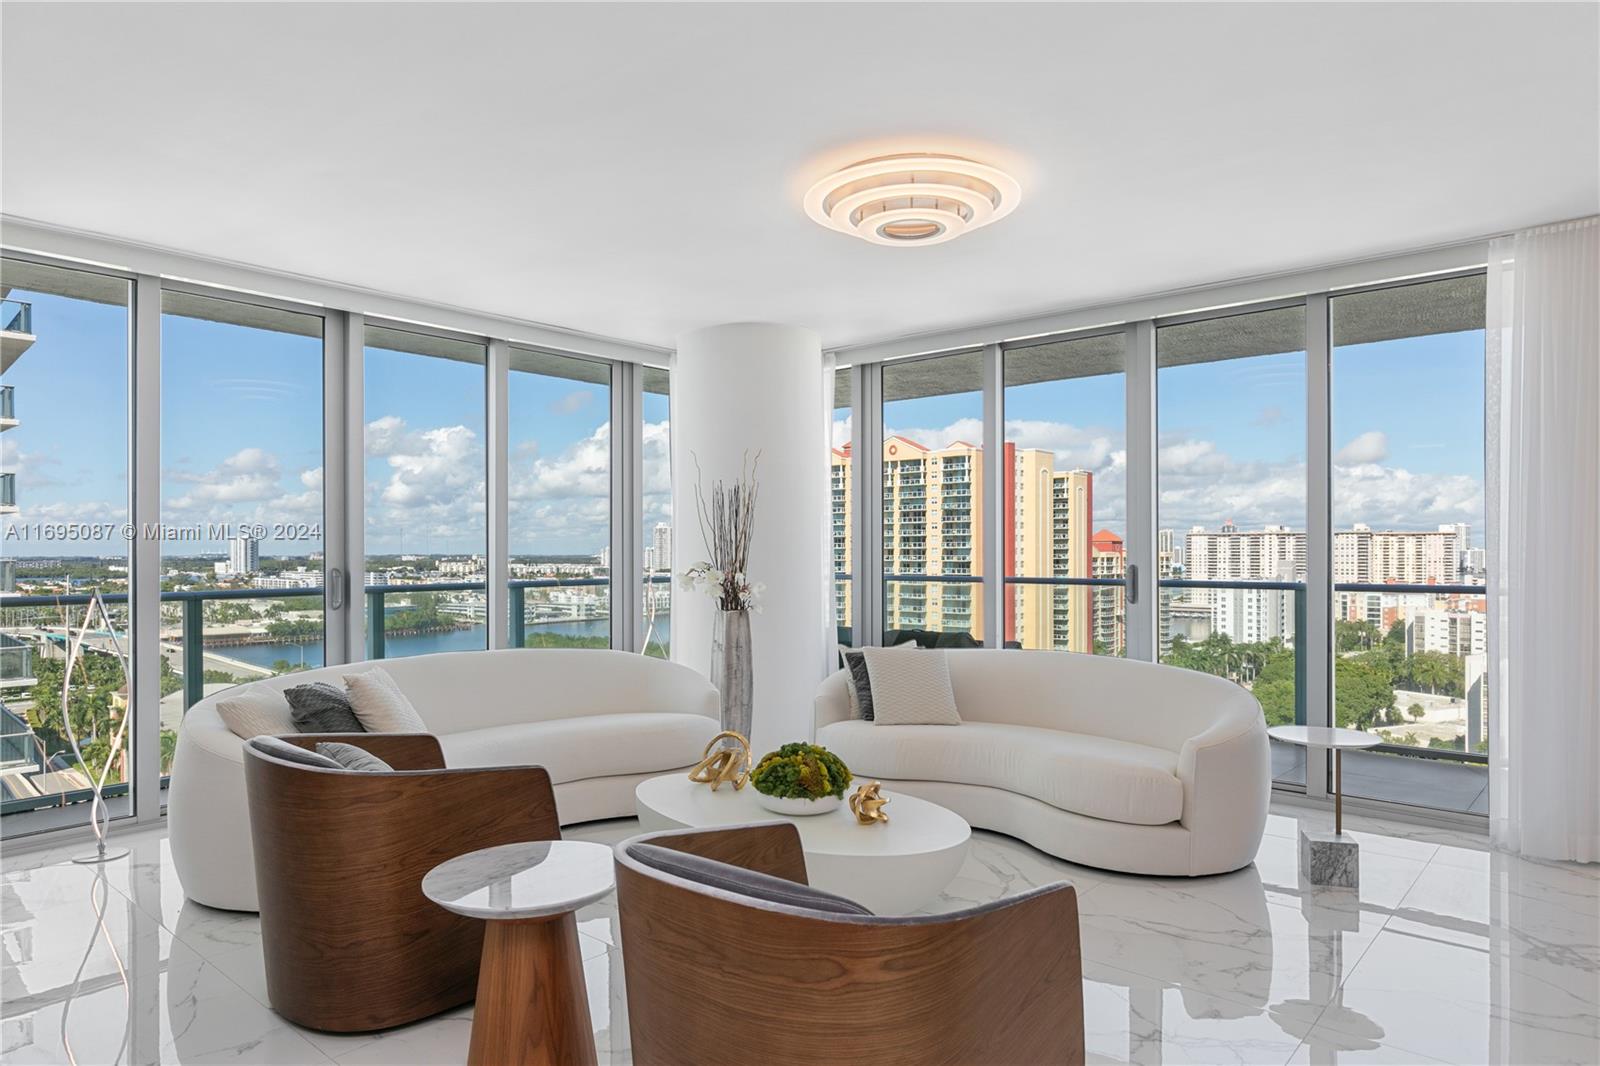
x=912, y=199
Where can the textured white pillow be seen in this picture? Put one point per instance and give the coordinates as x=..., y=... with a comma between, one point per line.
x=911, y=688
x=252, y=711
x=380, y=704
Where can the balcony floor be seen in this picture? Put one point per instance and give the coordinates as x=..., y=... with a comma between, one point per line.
x=1434, y=783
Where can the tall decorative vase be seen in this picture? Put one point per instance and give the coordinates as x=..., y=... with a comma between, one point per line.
x=731, y=670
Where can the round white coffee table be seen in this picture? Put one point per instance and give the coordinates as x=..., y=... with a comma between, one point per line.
x=533, y=1006
x=1329, y=858
x=893, y=868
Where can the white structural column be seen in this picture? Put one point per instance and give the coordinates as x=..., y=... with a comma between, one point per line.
x=738, y=390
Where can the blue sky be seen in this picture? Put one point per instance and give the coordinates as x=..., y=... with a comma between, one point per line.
x=241, y=437
x=1407, y=435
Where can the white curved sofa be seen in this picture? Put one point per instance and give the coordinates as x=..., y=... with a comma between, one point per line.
x=1107, y=762
x=599, y=721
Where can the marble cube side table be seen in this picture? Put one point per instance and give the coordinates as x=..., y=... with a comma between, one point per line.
x=1329, y=859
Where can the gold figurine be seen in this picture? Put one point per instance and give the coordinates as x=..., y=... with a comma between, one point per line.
x=867, y=804
x=730, y=764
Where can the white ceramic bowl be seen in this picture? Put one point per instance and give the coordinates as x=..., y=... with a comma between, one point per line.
x=793, y=806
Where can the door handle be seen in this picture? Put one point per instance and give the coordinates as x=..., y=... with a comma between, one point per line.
x=1131, y=579
x=336, y=589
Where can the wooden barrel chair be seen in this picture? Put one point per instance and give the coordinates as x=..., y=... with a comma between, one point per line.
x=716, y=975
x=350, y=942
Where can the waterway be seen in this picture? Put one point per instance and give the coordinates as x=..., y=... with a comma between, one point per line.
x=476, y=638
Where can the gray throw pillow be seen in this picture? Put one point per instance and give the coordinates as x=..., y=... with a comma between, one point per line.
x=282, y=749
x=319, y=707
x=856, y=662
x=353, y=758
x=743, y=882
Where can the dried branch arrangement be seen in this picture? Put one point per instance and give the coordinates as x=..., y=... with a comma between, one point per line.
x=727, y=522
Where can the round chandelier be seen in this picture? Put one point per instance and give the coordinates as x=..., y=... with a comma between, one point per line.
x=912, y=199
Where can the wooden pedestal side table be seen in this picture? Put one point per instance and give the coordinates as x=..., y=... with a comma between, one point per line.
x=532, y=1005
x=1331, y=859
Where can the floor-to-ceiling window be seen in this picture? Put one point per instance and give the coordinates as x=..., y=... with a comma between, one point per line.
x=425, y=472
x=1410, y=616
x=841, y=482
x=1065, y=495
x=559, y=478
x=64, y=503
x=1231, y=506
x=656, y=508
x=241, y=494
x=932, y=499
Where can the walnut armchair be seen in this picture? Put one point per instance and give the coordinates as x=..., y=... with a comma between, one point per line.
x=713, y=973
x=350, y=942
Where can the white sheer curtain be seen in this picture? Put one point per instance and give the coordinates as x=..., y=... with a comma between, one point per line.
x=1543, y=497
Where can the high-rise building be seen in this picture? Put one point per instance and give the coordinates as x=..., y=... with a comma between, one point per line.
x=1363, y=555
x=661, y=544
x=1231, y=554
x=244, y=554
x=1071, y=555
x=1110, y=615
x=16, y=337
x=1446, y=631
x=841, y=481
x=1169, y=552
x=932, y=525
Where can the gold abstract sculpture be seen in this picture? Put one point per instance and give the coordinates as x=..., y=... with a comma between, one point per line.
x=730, y=764
x=867, y=804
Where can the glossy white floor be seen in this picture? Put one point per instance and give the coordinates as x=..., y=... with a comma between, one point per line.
x=1450, y=953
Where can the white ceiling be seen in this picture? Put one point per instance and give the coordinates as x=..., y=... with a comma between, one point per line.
x=636, y=171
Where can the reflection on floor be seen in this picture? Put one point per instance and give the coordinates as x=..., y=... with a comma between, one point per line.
x=1439, y=784
x=1450, y=953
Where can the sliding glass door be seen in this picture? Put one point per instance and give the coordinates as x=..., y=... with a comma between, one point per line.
x=64, y=514
x=559, y=494
x=241, y=492
x=1409, y=566
x=425, y=465
x=1065, y=495
x=933, y=520
x=1231, y=507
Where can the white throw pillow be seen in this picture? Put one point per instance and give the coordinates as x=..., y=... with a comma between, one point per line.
x=380, y=704
x=911, y=688
x=253, y=711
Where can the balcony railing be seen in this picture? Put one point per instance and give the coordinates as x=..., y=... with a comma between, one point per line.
x=8, y=403
x=16, y=316
x=1447, y=754
x=8, y=490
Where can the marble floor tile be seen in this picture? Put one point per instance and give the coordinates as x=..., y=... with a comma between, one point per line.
x=1449, y=951
x=1462, y=1003
x=1223, y=938
x=1130, y=1018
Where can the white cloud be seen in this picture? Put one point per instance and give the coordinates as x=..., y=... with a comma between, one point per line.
x=1369, y=447
x=249, y=475
x=967, y=429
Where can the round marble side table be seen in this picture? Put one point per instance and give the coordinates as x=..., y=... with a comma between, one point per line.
x=1331, y=859
x=532, y=1005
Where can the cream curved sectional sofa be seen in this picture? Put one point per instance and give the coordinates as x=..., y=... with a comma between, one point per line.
x=1107, y=762
x=599, y=721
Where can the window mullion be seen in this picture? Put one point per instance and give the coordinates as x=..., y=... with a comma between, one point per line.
x=144, y=511
x=1315, y=645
